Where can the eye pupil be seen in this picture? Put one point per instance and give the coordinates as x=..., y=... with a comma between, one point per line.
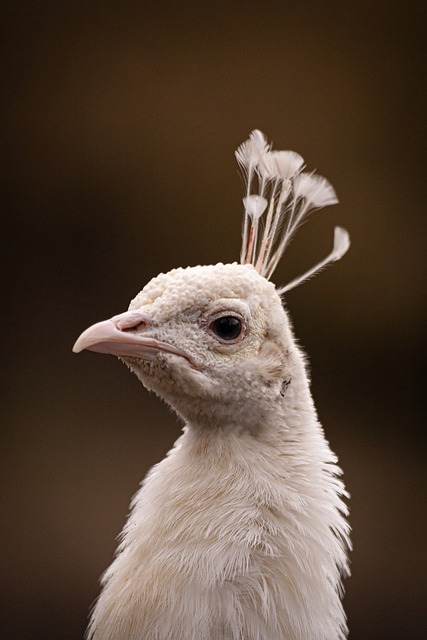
x=227, y=328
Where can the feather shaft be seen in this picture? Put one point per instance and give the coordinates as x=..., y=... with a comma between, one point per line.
x=340, y=248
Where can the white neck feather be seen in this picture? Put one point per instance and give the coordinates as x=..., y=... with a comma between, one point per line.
x=234, y=535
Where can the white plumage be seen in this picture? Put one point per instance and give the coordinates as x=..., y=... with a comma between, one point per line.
x=240, y=532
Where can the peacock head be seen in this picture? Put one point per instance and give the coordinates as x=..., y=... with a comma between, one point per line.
x=215, y=341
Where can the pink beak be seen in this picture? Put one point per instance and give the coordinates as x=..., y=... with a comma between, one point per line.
x=122, y=336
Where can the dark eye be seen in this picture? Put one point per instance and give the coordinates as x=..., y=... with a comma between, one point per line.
x=227, y=327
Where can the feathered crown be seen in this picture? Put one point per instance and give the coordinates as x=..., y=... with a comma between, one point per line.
x=279, y=198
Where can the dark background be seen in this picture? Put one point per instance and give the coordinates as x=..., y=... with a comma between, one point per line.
x=119, y=123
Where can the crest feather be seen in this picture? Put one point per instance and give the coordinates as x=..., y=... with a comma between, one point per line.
x=276, y=184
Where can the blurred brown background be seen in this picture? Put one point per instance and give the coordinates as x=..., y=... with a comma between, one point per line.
x=120, y=122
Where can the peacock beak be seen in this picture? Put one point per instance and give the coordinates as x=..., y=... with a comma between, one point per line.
x=122, y=336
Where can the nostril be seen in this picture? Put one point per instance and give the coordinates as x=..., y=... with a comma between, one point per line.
x=134, y=328
x=131, y=320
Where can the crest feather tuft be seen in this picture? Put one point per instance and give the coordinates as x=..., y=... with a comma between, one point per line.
x=276, y=184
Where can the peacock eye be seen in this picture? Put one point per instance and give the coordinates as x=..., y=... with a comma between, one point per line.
x=227, y=327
